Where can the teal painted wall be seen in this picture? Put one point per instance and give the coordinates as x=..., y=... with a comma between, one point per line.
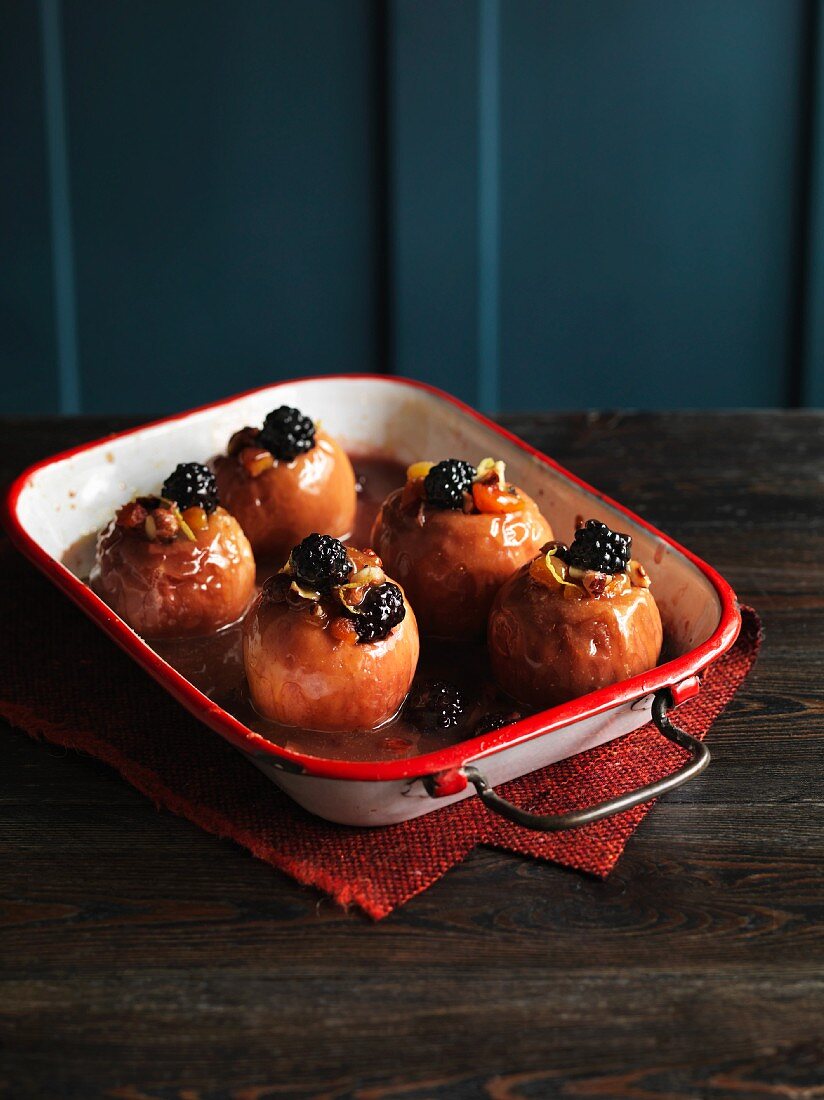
x=534, y=203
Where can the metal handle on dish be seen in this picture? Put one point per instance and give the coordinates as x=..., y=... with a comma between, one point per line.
x=555, y=823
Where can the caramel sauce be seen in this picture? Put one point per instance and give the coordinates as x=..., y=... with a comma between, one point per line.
x=214, y=664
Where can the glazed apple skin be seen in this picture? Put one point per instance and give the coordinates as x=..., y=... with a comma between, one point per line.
x=177, y=589
x=545, y=649
x=284, y=504
x=300, y=675
x=453, y=564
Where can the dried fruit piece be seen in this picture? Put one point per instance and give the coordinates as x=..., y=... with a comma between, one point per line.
x=490, y=498
x=195, y=518
x=418, y=470
x=344, y=630
x=639, y=578
x=551, y=570
x=256, y=460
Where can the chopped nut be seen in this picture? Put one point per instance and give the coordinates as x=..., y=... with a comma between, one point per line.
x=492, y=471
x=595, y=583
x=318, y=615
x=351, y=595
x=166, y=525
x=412, y=494
x=131, y=516
x=370, y=574
x=246, y=437
x=150, y=527
x=276, y=587
x=638, y=575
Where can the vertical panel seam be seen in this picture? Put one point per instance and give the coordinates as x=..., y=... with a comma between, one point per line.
x=384, y=338
x=810, y=280
x=65, y=302
x=488, y=204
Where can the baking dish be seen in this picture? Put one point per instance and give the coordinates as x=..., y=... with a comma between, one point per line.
x=55, y=503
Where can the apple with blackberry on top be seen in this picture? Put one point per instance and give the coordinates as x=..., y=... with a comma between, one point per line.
x=177, y=564
x=451, y=536
x=285, y=480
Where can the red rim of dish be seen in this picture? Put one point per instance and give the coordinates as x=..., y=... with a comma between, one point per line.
x=669, y=675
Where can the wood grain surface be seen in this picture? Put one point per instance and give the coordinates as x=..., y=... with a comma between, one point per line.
x=144, y=960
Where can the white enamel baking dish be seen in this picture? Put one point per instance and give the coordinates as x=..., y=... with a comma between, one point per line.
x=53, y=504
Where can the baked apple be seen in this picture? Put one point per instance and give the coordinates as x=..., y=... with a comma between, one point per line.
x=331, y=643
x=574, y=620
x=285, y=480
x=452, y=536
x=175, y=565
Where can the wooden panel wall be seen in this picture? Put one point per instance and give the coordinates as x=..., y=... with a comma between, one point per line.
x=533, y=203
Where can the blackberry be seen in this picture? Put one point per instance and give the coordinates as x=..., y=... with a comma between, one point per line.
x=435, y=704
x=447, y=481
x=320, y=562
x=191, y=484
x=596, y=547
x=380, y=610
x=488, y=723
x=287, y=433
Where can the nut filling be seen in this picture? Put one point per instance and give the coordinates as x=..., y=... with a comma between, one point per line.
x=459, y=486
x=339, y=588
x=596, y=565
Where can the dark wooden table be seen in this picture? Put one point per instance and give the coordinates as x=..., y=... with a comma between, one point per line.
x=142, y=958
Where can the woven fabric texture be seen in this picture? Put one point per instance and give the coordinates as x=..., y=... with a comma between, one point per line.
x=63, y=680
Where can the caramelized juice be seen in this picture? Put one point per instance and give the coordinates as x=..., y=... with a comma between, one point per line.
x=214, y=664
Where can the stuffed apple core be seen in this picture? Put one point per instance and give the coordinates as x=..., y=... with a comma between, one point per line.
x=452, y=536
x=285, y=480
x=574, y=620
x=178, y=564
x=331, y=643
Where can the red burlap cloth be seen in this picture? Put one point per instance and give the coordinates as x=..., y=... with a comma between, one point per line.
x=63, y=680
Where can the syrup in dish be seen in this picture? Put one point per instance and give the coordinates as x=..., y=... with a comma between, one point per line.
x=567, y=600
x=453, y=696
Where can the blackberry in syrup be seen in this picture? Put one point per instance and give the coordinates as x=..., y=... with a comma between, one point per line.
x=380, y=610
